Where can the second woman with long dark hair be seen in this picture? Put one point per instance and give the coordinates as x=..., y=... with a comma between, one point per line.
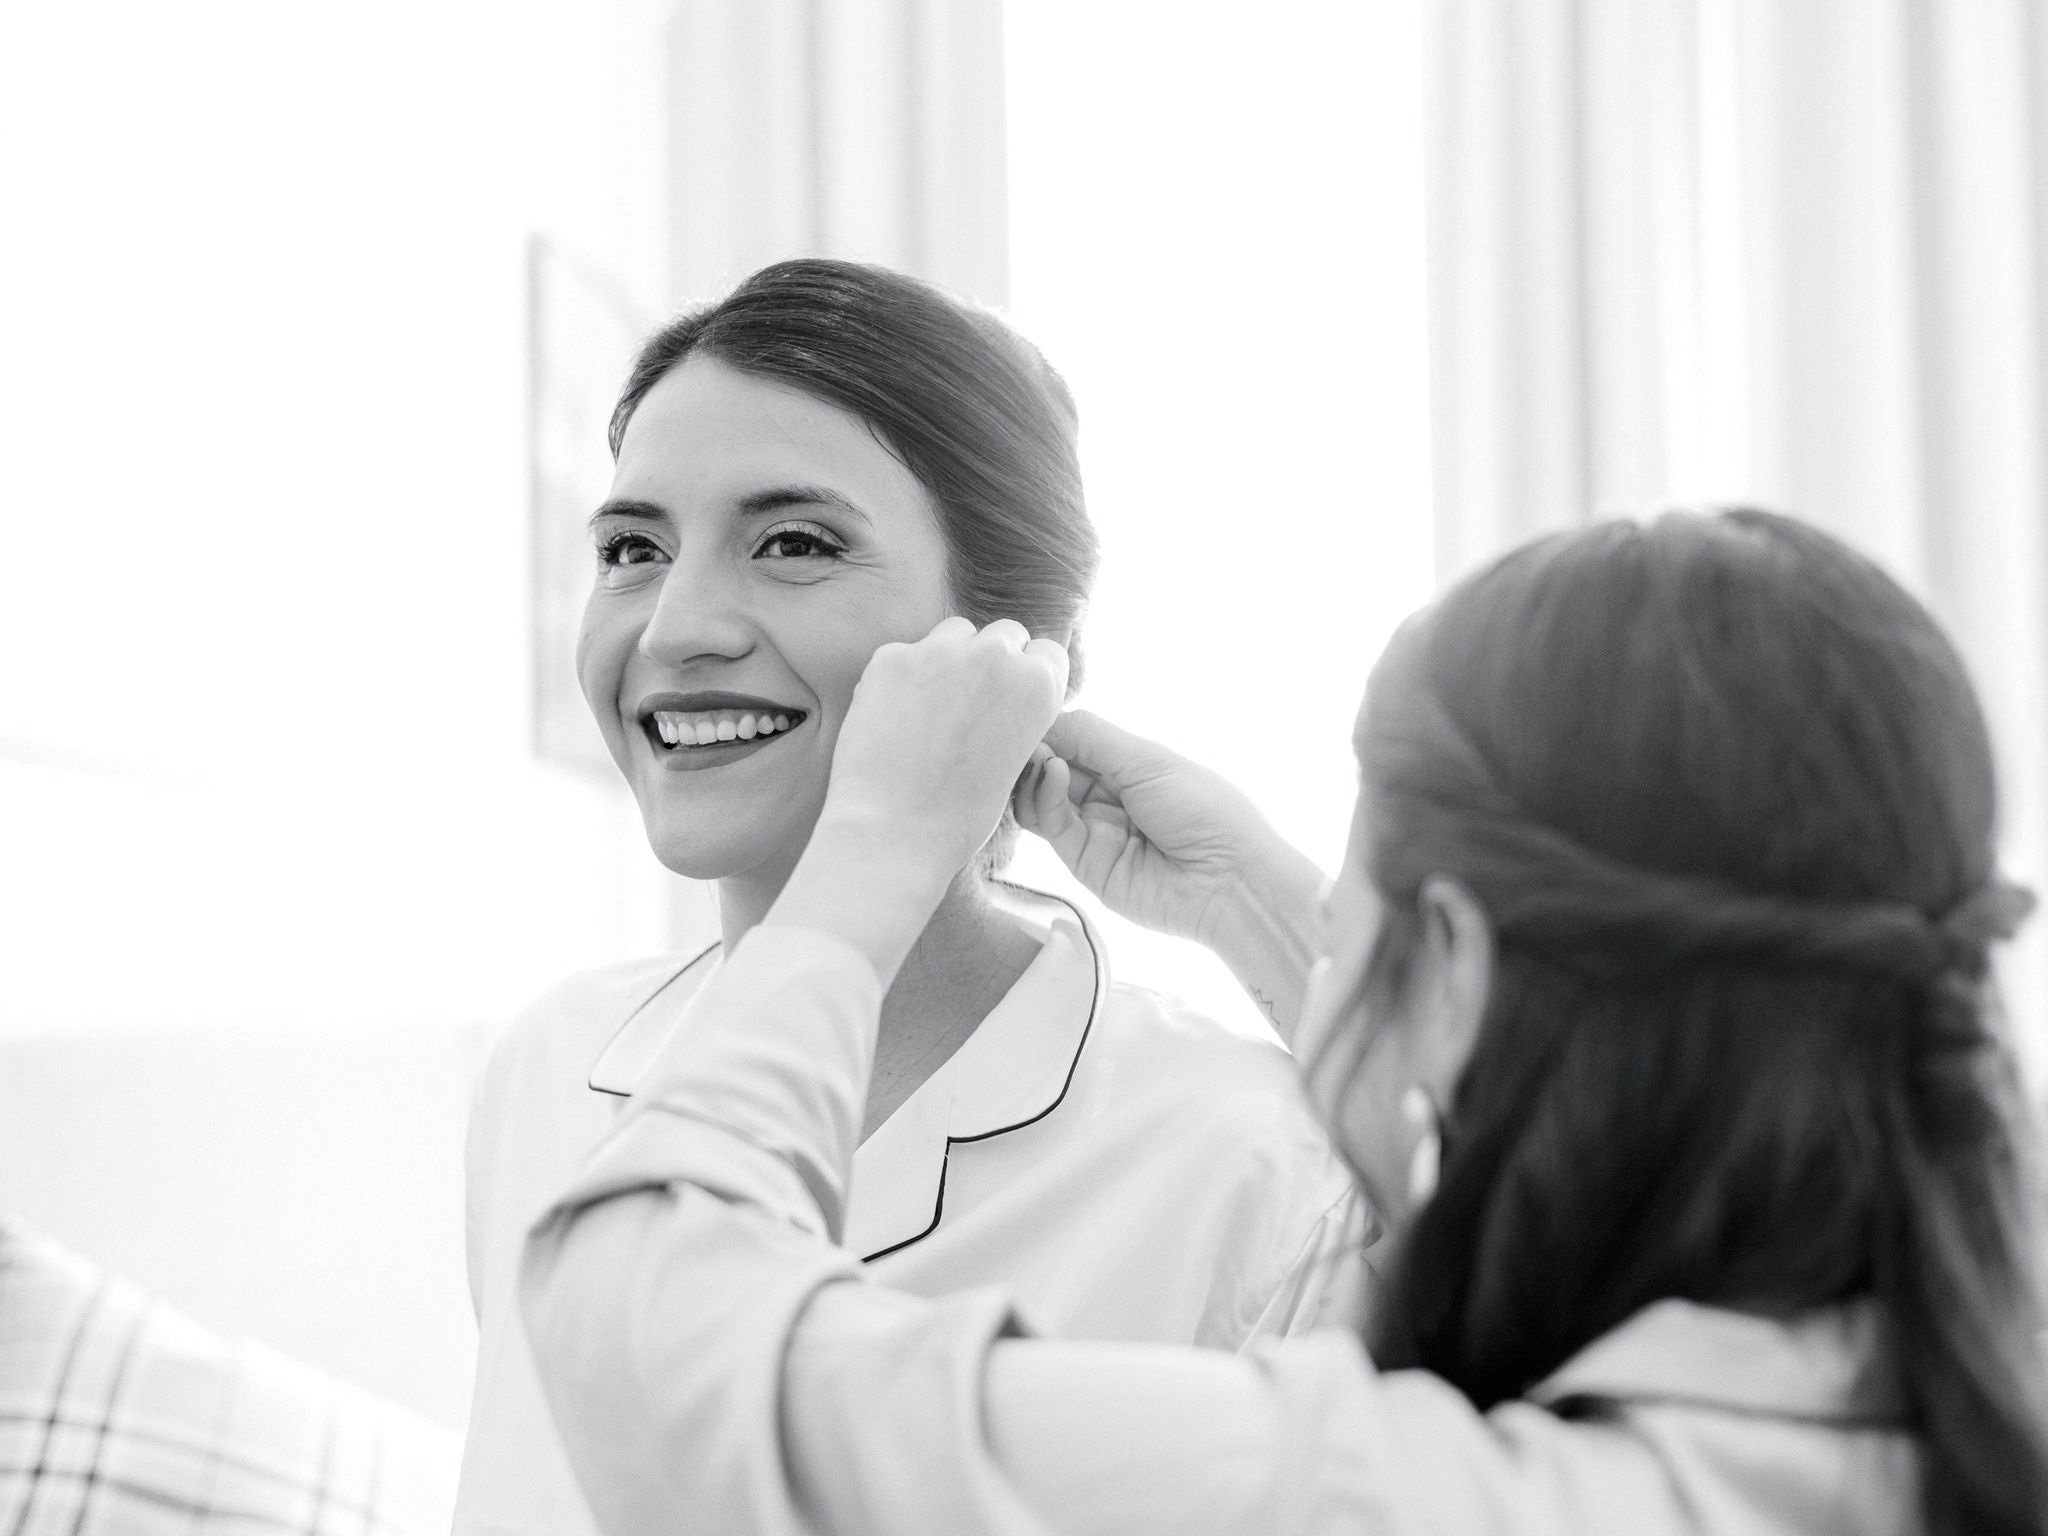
x=1653, y=1014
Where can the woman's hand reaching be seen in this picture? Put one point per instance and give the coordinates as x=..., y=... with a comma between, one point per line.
x=926, y=758
x=1161, y=839
x=1178, y=848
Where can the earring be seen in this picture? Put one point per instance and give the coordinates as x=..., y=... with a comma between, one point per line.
x=1426, y=1161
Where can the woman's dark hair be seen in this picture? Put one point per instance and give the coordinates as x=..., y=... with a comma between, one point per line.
x=1725, y=792
x=969, y=406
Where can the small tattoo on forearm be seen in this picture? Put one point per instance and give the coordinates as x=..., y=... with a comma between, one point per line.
x=1265, y=1004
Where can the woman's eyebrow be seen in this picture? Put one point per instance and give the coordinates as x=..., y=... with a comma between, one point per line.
x=783, y=496
x=647, y=511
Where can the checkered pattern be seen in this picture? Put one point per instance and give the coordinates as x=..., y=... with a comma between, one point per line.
x=120, y=1418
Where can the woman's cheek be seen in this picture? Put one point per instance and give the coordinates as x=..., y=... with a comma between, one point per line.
x=598, y=667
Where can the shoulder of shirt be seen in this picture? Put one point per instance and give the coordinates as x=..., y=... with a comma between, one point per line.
x=1172, y=1062
x=1138, y=1021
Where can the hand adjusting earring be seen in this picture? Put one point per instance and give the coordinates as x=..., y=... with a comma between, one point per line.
x=1426, y=1161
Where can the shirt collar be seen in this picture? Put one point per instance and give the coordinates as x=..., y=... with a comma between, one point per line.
x=1016, y=1065
x=1826, y=1365
x=649, y=1023
x=1012, y=1071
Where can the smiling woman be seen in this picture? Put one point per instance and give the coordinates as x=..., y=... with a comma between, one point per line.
x=758, y=546
x=833, y=458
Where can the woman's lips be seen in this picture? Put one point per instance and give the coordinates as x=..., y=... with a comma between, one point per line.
x=696, y=735
x=704, y=727
x=687, y=759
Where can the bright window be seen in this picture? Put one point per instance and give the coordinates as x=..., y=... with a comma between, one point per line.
x=1217, y=236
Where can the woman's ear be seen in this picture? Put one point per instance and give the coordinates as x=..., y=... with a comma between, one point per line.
x=1065, y=636
x=1458, y=966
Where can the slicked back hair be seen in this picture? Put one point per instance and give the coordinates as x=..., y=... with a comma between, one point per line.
x=970, y=407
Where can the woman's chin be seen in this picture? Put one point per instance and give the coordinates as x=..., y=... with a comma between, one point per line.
x=722, y=853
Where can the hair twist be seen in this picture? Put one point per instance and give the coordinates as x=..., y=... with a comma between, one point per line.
x=1544, y=888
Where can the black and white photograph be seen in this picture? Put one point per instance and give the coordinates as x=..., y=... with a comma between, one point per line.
x=1023, y=768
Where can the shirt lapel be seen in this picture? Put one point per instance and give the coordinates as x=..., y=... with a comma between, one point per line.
x=651, y=1024
x=1012, y=1071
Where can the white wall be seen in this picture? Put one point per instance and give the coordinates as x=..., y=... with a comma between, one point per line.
x=274, y=853
x=266, y=796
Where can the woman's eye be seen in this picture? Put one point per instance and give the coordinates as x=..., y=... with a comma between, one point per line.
x=797, y=541
x=626, y=549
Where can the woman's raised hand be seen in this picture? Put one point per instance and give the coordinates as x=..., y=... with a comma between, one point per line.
x=1158, y=837
x=939, y=730
x=1176, y=847
x=926, y=758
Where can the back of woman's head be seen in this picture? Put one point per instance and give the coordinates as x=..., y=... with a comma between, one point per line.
x=972, y=409
x=1726, y=794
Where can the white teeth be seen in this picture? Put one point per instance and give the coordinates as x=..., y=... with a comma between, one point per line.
x=703, y=728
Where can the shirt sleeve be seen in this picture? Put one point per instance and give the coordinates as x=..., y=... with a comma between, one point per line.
x=1330, y=1280
x=713, y=1360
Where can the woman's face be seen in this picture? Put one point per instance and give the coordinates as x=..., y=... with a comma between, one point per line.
x=758, y=545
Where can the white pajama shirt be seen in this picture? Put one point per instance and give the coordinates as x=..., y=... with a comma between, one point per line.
x=1124, y=1167
x=717, y=1362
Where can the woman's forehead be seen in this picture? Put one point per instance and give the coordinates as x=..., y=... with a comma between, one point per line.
x=708, y=430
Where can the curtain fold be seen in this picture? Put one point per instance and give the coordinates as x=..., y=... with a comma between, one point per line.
x=863, y=128
x=1789, y=254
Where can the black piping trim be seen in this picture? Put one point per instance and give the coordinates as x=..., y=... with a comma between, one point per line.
x=945, y=1163
x=638, y=1009
x=946, y=1158
x=1602, y=1405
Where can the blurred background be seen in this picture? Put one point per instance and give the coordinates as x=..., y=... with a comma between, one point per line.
x=310, y=317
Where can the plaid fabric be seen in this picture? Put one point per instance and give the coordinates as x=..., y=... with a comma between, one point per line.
x=118, y=1417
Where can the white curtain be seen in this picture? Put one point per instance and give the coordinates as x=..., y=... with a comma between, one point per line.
x=1795, y=254
x=862, y=128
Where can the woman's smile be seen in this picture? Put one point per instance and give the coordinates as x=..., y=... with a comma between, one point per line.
x=708, y=730
x=757, y=546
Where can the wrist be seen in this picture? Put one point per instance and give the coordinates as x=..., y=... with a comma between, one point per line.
x=1269, y=905
x=1265, y=931
x=861, y=879
x=882, y=845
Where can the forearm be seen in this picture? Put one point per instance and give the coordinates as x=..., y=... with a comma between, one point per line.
x=660, y=1289
x=859, y=881
x=1264, y=930
x=659, y=1320
x=665, y=1290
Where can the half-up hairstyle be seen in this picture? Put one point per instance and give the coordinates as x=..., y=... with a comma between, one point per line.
x=1725, y=792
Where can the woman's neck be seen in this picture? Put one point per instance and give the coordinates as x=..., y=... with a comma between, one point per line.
x=968, y=957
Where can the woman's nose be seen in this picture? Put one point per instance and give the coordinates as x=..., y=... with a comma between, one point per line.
x=697, y=614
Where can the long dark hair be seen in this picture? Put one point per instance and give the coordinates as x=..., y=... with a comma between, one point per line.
x=972, y=408
x=1725, y=792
